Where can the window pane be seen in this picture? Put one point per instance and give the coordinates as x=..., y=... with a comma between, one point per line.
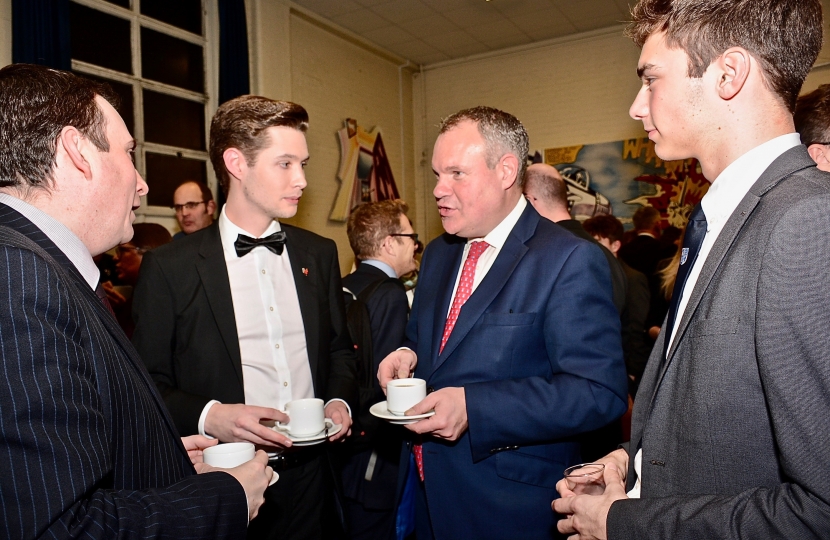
x=185, y=14
x=172, y=61
x=165, y=173
x=122, y=3
x=99, y=38
x=173, y=121
x=125, y=96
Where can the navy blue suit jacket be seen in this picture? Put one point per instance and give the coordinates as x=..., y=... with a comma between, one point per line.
x=537, y=349
x=86, y=445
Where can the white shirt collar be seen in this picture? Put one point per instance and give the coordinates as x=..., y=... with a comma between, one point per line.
x=498, y=236
x=229, y=231
x=731, y=185
x=60, y=235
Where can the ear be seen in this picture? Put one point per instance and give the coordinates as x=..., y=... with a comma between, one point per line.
x=235, y=162
x=734, y=66
x=509, y=168
x=211, y=207
x=74, y=146
x=816, y=152
x=615, y=246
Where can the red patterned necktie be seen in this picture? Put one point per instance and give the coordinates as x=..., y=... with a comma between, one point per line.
x=462, y=294
x=464, y=290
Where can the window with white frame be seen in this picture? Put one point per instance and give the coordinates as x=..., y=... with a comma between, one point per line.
x=158, y=56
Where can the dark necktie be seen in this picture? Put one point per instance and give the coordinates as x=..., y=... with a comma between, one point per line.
x=695, y=232
x=275, y=242
x=102, y=294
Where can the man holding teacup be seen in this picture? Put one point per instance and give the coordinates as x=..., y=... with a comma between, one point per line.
x=241, y=320
x=87, y=447
x=514, y=330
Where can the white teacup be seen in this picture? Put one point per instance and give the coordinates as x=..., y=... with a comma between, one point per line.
x=305, y=417
x=229, y=455
x=402, y=394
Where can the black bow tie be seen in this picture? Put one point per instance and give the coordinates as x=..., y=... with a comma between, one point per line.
x=275, y=242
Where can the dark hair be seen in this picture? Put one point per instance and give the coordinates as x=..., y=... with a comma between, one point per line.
x=502, y=133
x=147, y=236
x=207, y=194
x=371, y=222
x=548, y=188
x=785, y=36
x=36, y=103
x=645, y=218
x=242, y=123
x=604, y=226
x=812, y=116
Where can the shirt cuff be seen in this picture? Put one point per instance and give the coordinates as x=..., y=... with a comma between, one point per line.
x=203, y=417
x=343, y=402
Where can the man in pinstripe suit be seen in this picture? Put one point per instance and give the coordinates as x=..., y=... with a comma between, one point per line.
x=86, y=446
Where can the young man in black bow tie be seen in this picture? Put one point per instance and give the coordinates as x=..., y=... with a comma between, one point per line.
x=236, y=320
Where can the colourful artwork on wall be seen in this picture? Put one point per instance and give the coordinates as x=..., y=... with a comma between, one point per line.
x=619, y=177
x=364, y=174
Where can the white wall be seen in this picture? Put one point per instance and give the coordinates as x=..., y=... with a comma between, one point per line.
x=5, y=32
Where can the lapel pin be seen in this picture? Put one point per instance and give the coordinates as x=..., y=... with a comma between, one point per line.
x=305, y=272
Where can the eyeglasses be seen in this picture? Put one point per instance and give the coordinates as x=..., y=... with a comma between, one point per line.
x=413, y=236
x=179, y=208
x=120, y=250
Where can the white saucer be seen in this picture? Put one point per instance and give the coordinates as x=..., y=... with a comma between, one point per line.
x=380, y=410
x=274, y=479
x=331, y=429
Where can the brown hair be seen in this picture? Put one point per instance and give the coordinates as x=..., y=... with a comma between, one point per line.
x=371, y=222
x=785, y=36
x=207, y=194
x=147, y=236
x=242, y=123
x=36, y=103
x=502, y=133
x=645, y=218
x=604, y=226
x=812, y=116
x=548, y=188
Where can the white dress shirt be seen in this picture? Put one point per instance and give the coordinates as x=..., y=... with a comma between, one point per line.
x=724, y=195
x=269, y=324
x=496, y=239
x=61, y=236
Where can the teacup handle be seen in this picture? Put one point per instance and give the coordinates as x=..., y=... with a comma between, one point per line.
x=283, y=427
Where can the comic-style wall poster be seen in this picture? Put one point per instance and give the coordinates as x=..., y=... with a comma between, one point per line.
x=365, y=174
x=619, y=177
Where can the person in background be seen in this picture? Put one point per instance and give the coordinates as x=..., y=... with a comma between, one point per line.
x=812, y=121
x=194, y=206
x=514, y=328
x=384, y=242
x=729, y=429
x=608, y=231
x=128, y=257
x=88, y=448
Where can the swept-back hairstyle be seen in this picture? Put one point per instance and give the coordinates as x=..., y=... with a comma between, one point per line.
x=242, y=123
x=785, y=36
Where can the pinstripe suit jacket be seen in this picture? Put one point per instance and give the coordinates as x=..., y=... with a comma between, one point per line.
x=735, y=424
x=86, y=447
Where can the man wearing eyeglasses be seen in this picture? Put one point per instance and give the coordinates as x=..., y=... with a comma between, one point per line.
x=384, y=245
x=194, y=206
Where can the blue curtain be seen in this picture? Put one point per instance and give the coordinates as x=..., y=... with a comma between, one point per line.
x=233, y=50
x=40, y=33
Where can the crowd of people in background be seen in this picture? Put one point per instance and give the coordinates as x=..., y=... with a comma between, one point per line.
x=581, y=380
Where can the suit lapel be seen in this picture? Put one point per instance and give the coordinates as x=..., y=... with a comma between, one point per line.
x=302, y=264
x=511, y=253
x=449, y=271
x=214, y=275
x=77, y=284
x=788, y=163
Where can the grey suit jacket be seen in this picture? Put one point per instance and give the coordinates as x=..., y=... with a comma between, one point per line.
x=735, y=425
